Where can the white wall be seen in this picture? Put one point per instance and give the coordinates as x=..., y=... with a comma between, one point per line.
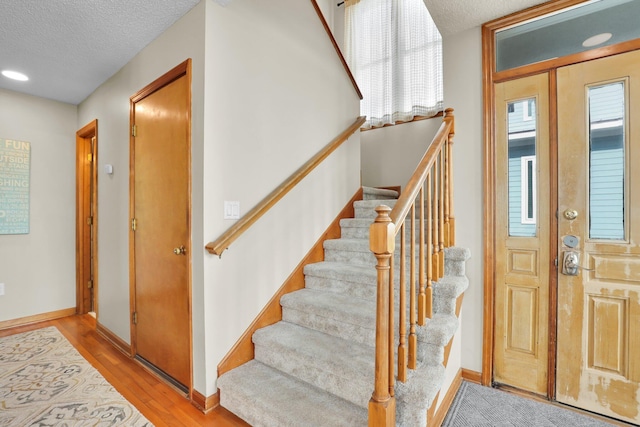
x=276, y=94
x=268, y=93
x=38, y=269
x=462, y=54
x=391, y=154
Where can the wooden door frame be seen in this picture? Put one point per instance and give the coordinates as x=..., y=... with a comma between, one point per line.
x=489, y=77
x=181, y=70
x=90, y=130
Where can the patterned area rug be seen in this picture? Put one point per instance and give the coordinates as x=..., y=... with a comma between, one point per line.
x=44, y=381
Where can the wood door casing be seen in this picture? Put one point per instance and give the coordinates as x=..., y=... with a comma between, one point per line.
x=598, y=360
x=86, y=217
x=522, y=263
x=161, y=208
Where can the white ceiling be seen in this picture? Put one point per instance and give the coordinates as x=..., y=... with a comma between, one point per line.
x=454, y=16
x=70, y=47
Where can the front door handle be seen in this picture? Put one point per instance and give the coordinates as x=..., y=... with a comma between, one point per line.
x=180, y=251
x=571, y=263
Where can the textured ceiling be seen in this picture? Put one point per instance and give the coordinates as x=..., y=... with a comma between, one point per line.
x=454, y=16
x=70, y=47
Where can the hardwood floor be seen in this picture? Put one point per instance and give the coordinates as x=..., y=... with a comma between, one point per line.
x=156, y=400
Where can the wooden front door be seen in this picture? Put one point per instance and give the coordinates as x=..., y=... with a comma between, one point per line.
x=160, y=236
x=522, y=233
x=598, y=356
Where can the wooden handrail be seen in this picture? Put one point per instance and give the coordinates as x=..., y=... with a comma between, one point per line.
x=218, y=246
x=412, y=189
x=433, y=176
x=346, y=67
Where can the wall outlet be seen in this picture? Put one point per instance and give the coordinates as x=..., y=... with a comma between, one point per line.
x=1, y=288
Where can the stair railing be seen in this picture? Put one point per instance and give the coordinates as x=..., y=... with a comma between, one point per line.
x=222, y=243
x=427, y=203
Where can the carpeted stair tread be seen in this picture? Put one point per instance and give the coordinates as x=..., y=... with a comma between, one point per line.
x=341, y=271
x=451, y=286
x=367, y=208
x=358, y=228
x=338, y=315
x=357, y=281
x=341, y=367
x=416, y=395
x=371, y=193
x=357, y=251
x=439, y=329
x=264, y=396
x=456, y=261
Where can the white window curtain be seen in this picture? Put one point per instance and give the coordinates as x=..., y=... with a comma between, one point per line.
x=395, y=53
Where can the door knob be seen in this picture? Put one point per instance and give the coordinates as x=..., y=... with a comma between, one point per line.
x=180, y=251
x=571, y=214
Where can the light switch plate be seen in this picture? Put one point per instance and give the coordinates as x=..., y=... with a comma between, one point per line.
x=1, y=288
x=231, y=210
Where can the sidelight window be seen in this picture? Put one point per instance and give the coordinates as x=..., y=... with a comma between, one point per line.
x=522, y=167
x=607, y=161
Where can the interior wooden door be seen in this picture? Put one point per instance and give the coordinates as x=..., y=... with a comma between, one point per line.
x=161, y=229
x=522, y=233
x=598, y=340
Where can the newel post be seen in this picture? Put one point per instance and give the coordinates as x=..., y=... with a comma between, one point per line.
x=450, y=239
x=382, y=405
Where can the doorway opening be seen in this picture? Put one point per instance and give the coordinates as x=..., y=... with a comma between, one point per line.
x=87, y=219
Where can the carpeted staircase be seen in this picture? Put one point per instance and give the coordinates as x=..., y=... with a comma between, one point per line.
x=316, y=366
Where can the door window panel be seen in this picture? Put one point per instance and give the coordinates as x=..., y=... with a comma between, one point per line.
x=606, y=161
x=522, y=167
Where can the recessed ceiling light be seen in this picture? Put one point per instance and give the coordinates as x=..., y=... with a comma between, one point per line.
x=15, y=75
x=596, y=40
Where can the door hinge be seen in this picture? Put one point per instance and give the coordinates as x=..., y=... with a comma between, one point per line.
x=89, y=157
x=89, y=220
x=90, y=284
x=555, y=262
x=134, y=317
x=134, y=224
x=134, y=130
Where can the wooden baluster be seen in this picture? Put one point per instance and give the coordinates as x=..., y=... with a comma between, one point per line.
x=382, y=405
x=422, y=301
x=392, y=317
x=429, y=290
x=413, y=338
x=447, y=194
x=448, y=115
x=435, y=223
x=441, y=198
x=402, y=346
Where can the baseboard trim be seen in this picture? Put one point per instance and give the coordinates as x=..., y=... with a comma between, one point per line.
x=115, y=340
x=472, y=376
x=205, y=404
x=447, y=400
x=243, y=350
x=42, y=317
